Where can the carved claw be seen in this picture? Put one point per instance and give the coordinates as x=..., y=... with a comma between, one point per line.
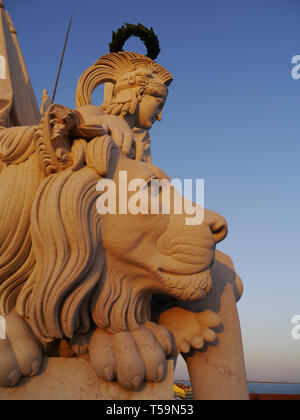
x=131, y=357
x=191, y=330
x=20, y=352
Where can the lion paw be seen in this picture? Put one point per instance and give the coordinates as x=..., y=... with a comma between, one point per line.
x=132, y=357
x=20, y=352
x=191, y=330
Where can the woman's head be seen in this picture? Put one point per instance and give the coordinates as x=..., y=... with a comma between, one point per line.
x=138, y=97
x=136, y=87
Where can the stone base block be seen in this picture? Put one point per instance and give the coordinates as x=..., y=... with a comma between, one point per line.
x=74, y=379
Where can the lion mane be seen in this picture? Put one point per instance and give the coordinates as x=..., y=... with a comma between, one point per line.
x=52, y=260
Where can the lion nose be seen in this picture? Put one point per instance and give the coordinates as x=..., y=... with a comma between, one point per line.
x=218, y=226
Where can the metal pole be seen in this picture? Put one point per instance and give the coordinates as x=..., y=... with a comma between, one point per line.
x=62, y=59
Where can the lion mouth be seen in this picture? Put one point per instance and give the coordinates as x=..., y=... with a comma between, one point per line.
x=189, y=287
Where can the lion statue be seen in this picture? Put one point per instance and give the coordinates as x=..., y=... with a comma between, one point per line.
x=65, y=268
x=103, y=283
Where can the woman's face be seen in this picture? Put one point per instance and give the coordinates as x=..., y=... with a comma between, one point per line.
x=148, y=111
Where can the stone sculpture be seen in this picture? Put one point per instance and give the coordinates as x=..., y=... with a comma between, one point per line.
x=110, y=284
x=18, y=105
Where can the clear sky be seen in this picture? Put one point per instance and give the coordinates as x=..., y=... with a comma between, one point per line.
x=232, y=118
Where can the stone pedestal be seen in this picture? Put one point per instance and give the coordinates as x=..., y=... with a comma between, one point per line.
x=74, y=379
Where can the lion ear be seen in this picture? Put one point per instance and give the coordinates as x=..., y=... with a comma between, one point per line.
x=54, y=137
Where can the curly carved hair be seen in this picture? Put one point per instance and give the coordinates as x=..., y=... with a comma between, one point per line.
x=51, y=254
x=115, y=107
x=52, y=260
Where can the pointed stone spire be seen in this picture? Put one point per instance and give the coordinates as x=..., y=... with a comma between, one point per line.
x=18, y=105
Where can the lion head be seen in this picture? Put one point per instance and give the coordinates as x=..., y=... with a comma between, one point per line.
x=65, y=267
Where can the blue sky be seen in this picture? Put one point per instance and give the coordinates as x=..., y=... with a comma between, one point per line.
x=232, y=118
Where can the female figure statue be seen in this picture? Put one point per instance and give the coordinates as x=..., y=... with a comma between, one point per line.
x=135, y=92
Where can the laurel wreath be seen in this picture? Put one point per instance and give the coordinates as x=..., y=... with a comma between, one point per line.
x=146, y=35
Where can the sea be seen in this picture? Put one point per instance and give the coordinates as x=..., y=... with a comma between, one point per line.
x=274, y=388
x=265, y=387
